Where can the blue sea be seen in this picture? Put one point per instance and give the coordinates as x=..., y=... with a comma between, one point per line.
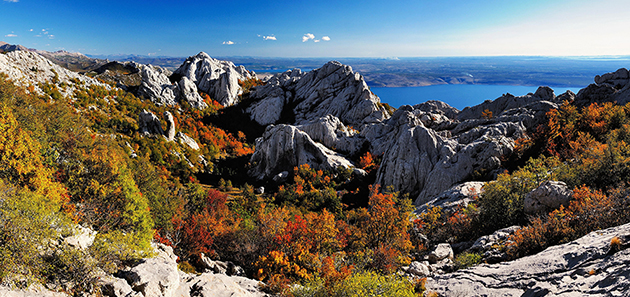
x=458, y=96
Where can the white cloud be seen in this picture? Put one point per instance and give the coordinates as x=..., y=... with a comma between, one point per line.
x=12, y=1
x=10, y=35
x=307, y=36
x=269, y=38
x=31, y=30
x=51, y=36
x=316, y=40
x=326, y=38
x=229, y=42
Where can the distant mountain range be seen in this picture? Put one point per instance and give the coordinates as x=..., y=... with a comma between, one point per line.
x=392, y=72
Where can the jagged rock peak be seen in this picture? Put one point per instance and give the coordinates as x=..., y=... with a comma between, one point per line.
x=282, y=147
x=219, y=79
x=609, y=87
x=333, y=89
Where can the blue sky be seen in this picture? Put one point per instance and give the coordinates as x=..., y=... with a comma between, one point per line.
x=341, y=28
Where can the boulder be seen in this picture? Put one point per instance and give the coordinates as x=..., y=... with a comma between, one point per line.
x=283, y=147
x=546, y=197
x=117, y=287
x=32, y=291
x=155, y=277
x=219, y=285
x=187, y=140
x=442, y=251
x=26, y=68
x=584, y=267
x=149, y=123
x=332, y=133
x=457, y=196
x=82, y=238
x=420, y=269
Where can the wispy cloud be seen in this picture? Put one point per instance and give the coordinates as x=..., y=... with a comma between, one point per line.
x=10, y=35
x=229, y=42
x=316, y=40
x=269, y=38
x=51, y=36
x=307, y=37
x=31, y=30
x=326, y=38
x=12, y=1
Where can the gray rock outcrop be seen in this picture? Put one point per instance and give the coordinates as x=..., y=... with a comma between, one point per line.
x=159, y=277
x=453, y=198
x=187, y=140
x=282, y=147
x=585, y=267
x=610, y=87
x=427, y=151
x=170, y=126
x=332, y=133
x=334, y=89
x=149, y=123
x=546, y=197
x=26, y=68
x=491, y=247
x=156, y=85
x=219, y=79
x=442, y=251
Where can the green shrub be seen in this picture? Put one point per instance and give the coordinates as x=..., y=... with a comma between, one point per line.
x=467, y=259
x=359, y=285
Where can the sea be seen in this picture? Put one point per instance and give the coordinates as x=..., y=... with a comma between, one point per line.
x=458, y=96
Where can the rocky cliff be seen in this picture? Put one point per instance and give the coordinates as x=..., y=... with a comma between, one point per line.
x=589, y=266
x=334, y=89
x=219, y=79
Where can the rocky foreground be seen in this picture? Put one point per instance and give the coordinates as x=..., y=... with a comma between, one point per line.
x=589, y=266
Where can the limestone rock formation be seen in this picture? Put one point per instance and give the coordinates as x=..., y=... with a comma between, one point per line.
x=428, y=149
x=187, y=140
x=188, y=93
x=490, y=246
x=546, y=197
x=219, y=285
x=219, y=79
x=170, y=126
x=457, y=196
x=156, y=86
x=505, y=102
x=610, y=87
x=334, y=89
x=282, y=147
x=159, y=277
x=441, y=252
x=29, y=68
x=149, y=123
x=331, y=132
x=585, y=267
